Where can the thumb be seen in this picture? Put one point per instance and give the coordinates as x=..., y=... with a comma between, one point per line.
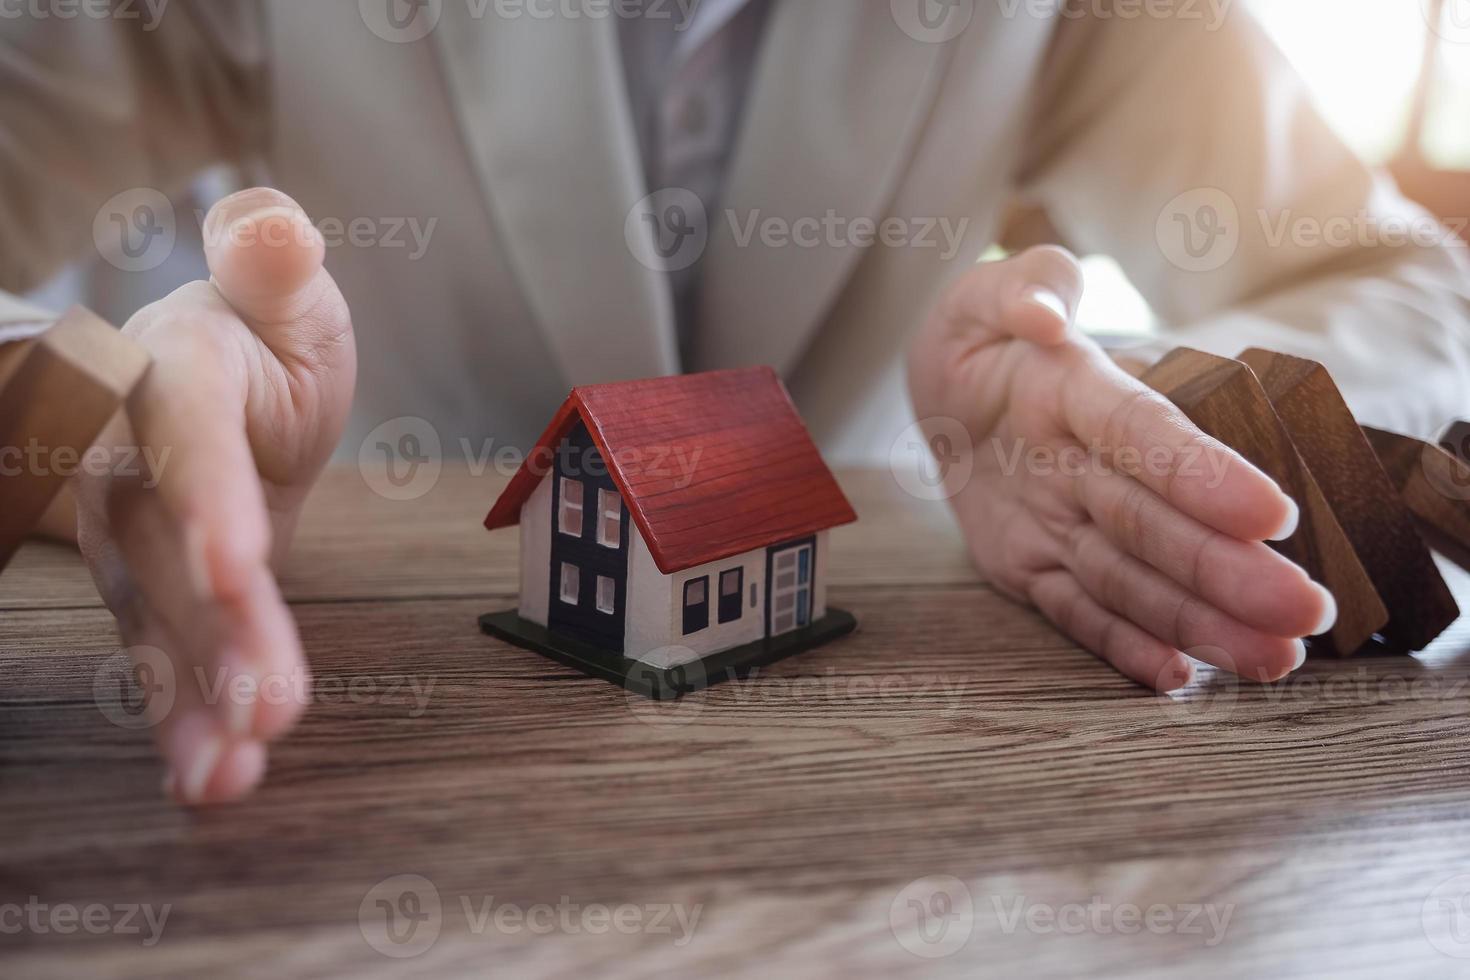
x=265, y=258
x=1031, y=296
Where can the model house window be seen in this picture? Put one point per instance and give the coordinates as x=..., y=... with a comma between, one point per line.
x=607, y=592
x=571, y=583
x=696, y=604
x=731, y=585
x=609, y=518
x=570, y=519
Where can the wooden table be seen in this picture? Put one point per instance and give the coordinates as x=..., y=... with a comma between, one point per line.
x=1058, y=820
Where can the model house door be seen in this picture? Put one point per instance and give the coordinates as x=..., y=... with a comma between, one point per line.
x=793, y=571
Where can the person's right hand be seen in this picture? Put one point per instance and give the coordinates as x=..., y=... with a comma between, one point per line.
x=251, y=383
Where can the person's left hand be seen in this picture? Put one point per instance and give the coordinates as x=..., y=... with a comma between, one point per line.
x=1142, y=538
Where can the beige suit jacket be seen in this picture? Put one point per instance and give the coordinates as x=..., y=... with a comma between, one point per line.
x=1181, y=145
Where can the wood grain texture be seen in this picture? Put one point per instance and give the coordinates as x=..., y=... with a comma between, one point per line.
x=1374, y=517
x=955, y=734
x=1224, y=398
x=57, y=391
x=1436, y=487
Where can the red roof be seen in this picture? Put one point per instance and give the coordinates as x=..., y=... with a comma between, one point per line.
x=710, y=465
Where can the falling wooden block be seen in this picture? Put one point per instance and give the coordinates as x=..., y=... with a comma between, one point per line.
x=1365, y=501
x=57, y=391
x=1225, y=400
x=1434, y=485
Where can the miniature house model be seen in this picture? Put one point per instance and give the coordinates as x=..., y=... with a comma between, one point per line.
x=670, y=521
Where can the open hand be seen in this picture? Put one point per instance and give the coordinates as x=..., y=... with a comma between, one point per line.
x=1141, y=537
x=251, y=383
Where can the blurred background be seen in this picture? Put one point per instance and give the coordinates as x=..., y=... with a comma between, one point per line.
x=1391, y=76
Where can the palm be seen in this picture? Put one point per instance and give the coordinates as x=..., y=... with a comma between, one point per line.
x=1081, y=502
x=251, y=383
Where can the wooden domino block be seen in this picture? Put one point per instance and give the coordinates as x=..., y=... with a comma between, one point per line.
x=1456, y=441
x=1366, y=503
x=1434, y=485
x=1225, y=400
x=57, y=392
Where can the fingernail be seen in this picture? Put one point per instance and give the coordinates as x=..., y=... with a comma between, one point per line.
x=1292, y=522
x=272, y=226
x=198, y=766
x=1301, y=655
x=1329, y=612
x=192, y=747
x=1050, y=300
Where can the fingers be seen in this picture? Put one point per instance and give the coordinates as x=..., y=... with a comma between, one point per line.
x=1175, y=616
x=204, y=763
x=241, y=653
x=1032, y=296
x=1132, y=652
x=265, y=257
x=1200, y=476
x=251, y=382
x=1246, y=580
x=190, y=406
x=198, y=544
x=182, y=551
